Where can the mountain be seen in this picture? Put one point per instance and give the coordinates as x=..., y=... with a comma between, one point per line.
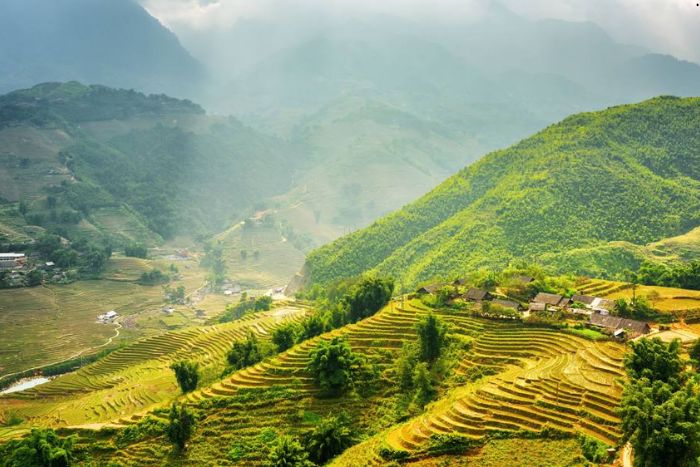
x=109, y=42
x=626, y=174
x=91, y=160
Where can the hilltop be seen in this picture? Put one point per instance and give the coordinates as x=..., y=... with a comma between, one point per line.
x=114, y=43
x=596, y=186
x=179, y=169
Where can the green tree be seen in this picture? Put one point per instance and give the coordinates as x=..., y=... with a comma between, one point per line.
x=662, y=425
x=42, y=448
x=329, y=438
x=368, y=296
x=694, y=353
x=136, y=250
x=311, y=326
x=288, y=452
x=181, y=426
x=283, y=337
x=23, y=208
x=187, y=374
x=333, y=365
x=245, y=353
x=423, y=384
x=655, y=360
x=432, y=338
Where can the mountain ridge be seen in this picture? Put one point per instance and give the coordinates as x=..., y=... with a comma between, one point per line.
x=572, y=185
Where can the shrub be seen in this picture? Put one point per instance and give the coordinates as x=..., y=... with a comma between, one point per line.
x=154, y=277
x=390, y=454
x=431, y=338
x=334, y=365
x=187, y=374
x=43, y=448
x=181, y=427
x=288, y=452
x=451, y=444
x=136, y=250
x=283, y=337
x=329, y=438
x=246, y=353
x=368, y=296
x=593, y=450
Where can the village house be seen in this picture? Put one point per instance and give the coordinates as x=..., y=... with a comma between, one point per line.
x=535, y=306
x=550, y=300
x=477, y=295
x=12, y=260
x=596, y=304
x=429, y=289
x=618, y=326
x=507, y=304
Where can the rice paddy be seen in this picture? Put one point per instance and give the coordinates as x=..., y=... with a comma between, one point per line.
x=539, y=379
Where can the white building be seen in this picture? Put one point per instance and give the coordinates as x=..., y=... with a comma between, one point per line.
x=12, y=260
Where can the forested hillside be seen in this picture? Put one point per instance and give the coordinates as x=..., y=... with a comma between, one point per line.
x=627, y=174
x=94, y=161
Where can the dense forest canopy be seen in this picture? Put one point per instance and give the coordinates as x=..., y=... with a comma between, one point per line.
x=629, y=173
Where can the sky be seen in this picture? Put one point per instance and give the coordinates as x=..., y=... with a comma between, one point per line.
x=666, y=26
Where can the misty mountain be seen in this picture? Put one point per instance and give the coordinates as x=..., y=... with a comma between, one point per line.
x=108, y=42
x=585, y=195
x=129, y=166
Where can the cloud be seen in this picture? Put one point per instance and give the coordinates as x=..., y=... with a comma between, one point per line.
x=668, y=26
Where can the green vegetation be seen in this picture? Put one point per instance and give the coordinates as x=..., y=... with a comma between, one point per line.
x=244, y=306
x=685, y=276
x=42, y=448
x=181, y=426
x=527, y=202
x=329, y=438
x=136, y=250
x=187, y=374
x=288, y=452
x=334, y=366
x=431, y=338
x=283, y=337
x=154, y=277
x=245, y=353
x=661, y=406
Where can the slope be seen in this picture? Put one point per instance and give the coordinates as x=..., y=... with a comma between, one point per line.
x=629, y=173
x=179, y=170
x=115, y=43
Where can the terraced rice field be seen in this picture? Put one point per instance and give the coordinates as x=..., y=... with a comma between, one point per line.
x=667, y=299
x=137, y=377
x=543, y=378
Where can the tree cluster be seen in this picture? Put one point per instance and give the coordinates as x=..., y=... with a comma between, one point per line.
x=660, y=406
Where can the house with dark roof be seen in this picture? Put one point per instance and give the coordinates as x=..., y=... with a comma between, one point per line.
x=507, y=304
x=548, y=299
x=615, y=324
x=477, y=295
x=429, y=289
x=534, y=306
x=585, y=299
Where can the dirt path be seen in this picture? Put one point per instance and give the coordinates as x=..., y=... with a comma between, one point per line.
x=627, y=455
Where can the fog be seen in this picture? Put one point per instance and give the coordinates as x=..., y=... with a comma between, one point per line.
x=665, y=26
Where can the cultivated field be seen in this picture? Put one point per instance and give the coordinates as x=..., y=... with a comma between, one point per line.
x=541, y=378
x=137, y=377
x=666, y=299
x=48, y=324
